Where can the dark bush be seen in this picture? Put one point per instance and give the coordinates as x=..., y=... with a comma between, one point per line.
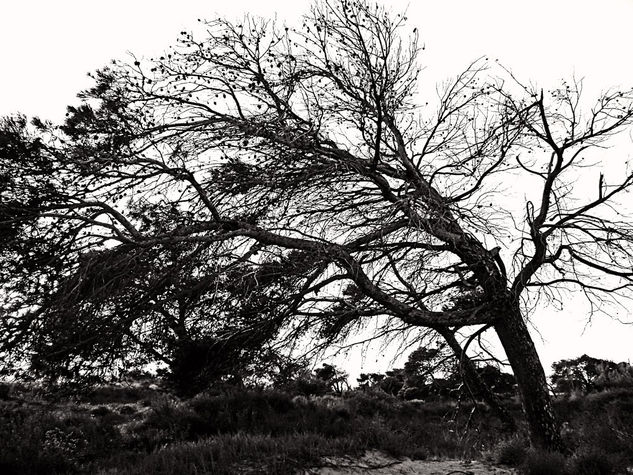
x=100, y=411
x=167, y=421
x=538, y=462
x=414, y=393
x=112, y=394
x=592, y=463
x=391, y=385
x=371, y=403
x=5, y=391
x=308, y=385
x=279, y=401
x=127, y=410
x=512, y=452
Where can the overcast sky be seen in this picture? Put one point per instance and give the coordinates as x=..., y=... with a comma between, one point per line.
x=48, y=46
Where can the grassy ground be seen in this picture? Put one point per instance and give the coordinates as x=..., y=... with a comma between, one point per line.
x=139, y=430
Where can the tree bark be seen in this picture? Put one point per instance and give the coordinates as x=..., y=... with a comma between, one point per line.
x=537, y=404
x=475, y=383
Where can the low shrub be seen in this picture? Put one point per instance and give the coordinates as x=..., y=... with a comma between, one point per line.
x=308, y=385
x=127, y=410
x=512, y=452
x=5, y=391
x=116, y=394
x=100, y=411
x=166, y=422
x=300, y=401
x=598, y=400
x=371, y=403
x=538, y=462
x=592, y=463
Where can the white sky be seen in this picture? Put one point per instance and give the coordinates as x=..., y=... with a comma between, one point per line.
x=47, y=47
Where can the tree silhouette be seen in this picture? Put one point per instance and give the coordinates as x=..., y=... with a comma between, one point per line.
x=307, y=155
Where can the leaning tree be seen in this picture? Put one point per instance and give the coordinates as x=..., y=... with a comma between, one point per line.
x=302, y=167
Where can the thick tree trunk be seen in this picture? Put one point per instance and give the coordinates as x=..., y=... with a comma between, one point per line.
x=475, y=383
x=528, y=371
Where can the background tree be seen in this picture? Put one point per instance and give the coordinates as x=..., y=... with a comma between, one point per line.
x=309, y=150
x=429, y=371
x=335, y=378
x=586, y=374
x=436, y=371
x=369, y=380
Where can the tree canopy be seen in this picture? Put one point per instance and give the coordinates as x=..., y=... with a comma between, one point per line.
x=262, y=183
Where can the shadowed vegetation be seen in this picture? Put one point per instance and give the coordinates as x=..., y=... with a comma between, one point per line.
x=138, y=429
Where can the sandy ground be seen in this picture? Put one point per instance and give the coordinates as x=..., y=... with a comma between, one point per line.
x=376, y=463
